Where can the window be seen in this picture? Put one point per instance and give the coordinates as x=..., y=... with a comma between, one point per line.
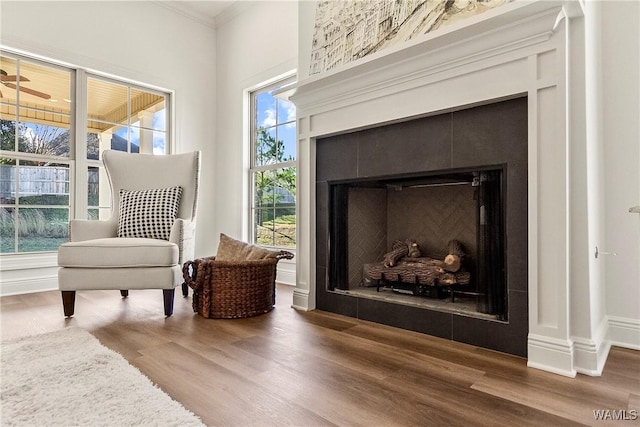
x=273, y=168
x=119, y=117
x=46, y=177
x=35, y=164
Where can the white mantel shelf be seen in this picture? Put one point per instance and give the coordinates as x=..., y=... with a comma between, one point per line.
x=534, y=49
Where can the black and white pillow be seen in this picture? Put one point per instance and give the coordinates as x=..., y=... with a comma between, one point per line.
x=148, y=213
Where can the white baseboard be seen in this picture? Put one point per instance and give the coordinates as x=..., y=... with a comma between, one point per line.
x=590, y=355
x=286, y=277
x=624, y=332
x=551, y=355
x=27, y=273
x=301, y=299
x=28, y=285
x=586, y=356
x=286, y=274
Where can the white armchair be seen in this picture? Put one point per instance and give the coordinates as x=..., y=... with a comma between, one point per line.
x=105, y=255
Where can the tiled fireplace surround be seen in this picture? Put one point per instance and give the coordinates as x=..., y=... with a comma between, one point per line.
x=492, y=135
x=531, y=54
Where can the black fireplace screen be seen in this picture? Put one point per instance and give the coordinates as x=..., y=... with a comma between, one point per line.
x=454, y=221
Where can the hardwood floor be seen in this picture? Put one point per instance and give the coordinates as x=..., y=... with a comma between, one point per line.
x=305, y=369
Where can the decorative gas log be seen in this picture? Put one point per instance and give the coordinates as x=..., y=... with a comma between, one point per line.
x=399, y=266
x=426, y=271
x=401, y=249
x=458, y=278
x=436, y=264
x=453, y=261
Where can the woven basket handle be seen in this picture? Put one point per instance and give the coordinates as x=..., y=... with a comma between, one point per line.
x=284, y=255
x=190, y=274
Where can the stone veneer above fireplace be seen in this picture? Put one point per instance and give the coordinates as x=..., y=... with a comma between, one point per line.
x=493, y=135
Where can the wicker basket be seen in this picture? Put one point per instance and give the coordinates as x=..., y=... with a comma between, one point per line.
x=232, y=289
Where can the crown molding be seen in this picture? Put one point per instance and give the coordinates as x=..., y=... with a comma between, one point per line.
x=232, y=12
x=182, y=8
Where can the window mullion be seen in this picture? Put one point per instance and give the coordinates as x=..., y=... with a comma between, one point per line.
x=274, y=166
x=79, y=150
x=129, y=134
x=16, y=208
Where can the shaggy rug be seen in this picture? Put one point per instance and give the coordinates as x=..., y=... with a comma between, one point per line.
x=67, y=378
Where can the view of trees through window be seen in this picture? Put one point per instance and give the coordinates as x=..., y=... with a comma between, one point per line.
x=39, y=160
x=35, y=123
x=34, y=194
x=273, y=169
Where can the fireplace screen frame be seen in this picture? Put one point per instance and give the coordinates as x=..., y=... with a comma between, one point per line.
x=487, y=262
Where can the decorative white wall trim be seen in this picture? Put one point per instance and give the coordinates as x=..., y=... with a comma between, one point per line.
x=551, y=355
x=590, y=355
x=523, y=49
x=624, y=332
x=432, y=59
x=188, y=12
x=584, y=355
x=30, y=284
x=28, y=261
x=27, y=273
x=569, y=357
x=301, y=298
x=231, y=12
x=286, y=274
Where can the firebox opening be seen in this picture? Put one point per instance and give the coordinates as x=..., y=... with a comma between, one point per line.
x=434, y=241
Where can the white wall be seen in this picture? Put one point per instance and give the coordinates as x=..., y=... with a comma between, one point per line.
x=140, y=41
x=258, y=44
x=621, y=106
x=306, y=16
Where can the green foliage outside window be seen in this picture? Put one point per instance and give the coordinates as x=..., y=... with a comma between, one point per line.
x=275, y=193
x=43, y=140
x=36, y=228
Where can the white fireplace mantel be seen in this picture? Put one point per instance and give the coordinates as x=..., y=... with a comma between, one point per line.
x=450, y=50
x=535, y=49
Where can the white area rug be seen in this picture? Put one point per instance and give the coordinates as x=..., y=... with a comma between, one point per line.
x=67, y=378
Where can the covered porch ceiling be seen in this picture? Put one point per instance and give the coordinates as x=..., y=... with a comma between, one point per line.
x=44, y=96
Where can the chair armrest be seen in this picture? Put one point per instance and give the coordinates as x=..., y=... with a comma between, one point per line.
x=183, y=234
x=83, y=229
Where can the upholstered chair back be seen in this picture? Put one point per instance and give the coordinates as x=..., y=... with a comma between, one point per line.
x=145, y=171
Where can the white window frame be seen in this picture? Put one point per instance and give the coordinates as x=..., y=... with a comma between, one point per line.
x=276, y=83
x=77, y=160
x=83, y=163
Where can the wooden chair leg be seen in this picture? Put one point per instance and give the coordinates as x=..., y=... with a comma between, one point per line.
x=124, y=293
x=185, y=290
x=68, y=302
x=169, y=295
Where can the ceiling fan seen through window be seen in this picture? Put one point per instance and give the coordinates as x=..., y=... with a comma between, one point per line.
x=7, y=80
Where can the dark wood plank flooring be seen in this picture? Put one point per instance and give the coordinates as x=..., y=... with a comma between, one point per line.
x=306, y=369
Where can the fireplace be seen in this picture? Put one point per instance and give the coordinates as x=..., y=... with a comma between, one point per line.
x=457, y=176
x=528, y=53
